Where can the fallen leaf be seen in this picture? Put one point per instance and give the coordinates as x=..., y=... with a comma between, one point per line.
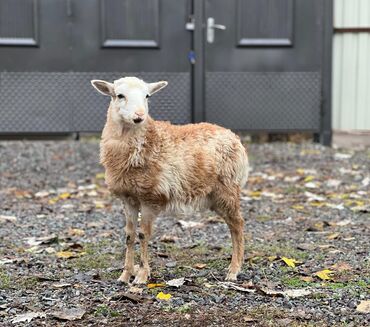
x=135, y=290
x=333, y=236
x=297, y=207
x=4, y=219
x=309, y=178
x=343, y=222
x=324, y=274
x=290, y=262
x=311, y=185
x=99, y=205
x=289, y=293
x=163, y=296
x=297, y=292
x=69, y=314
x=190, y=224
x=100, y=176
x=363, y=307
x=307, y=279
x=168, y=238
x=41, y=194
x=317, y=227
x=214, y=220
x=176, y=282
x=68, y=254
x=28, y=317
x=76, y=232
x=34, y=241
x=342, y=156
x=249, y=319
x=87, y=187
x=153, y=285
x=230, y=285
x=61, y=285
x=200, y=265
x=341, y=266
x=6, y=261
x=64, y=196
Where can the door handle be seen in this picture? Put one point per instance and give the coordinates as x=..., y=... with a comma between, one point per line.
x=211, y=26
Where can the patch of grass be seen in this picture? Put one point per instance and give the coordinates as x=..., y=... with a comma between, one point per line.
x=278, y=249
x=97, y=256
x=105, y=311
x=4, y=280
x=218, y=264
x=27, y=282
x=294, y=282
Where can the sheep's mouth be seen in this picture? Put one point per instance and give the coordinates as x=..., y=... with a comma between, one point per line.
x=138, y=120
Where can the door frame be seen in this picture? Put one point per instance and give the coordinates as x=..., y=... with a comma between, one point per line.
x=198, y=72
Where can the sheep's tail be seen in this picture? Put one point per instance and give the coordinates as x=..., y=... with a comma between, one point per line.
x=242, y=167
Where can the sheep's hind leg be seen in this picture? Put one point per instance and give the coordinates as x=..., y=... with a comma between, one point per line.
x=146, y=227
x=236, y=226
x=131, y=213
x=227, y=205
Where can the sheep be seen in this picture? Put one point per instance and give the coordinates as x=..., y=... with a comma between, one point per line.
x=154, y=166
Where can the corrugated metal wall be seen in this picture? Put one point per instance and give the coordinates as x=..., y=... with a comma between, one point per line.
x=351, y=66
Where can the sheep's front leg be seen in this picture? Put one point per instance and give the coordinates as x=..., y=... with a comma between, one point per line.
x=145, y=232
x=131, y=213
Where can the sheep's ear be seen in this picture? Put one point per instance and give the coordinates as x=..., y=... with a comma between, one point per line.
x=103, y=87
x=155, y=87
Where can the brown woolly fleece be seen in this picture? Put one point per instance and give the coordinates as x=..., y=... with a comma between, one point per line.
x=162, y=167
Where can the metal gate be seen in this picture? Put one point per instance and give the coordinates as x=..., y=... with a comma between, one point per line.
x=247, y=64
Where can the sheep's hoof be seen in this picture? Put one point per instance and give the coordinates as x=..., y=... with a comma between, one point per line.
x=141, y=276
x=232, y=277
x=125, y=276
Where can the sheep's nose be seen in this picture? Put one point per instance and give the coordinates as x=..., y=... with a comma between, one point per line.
x=139, y=113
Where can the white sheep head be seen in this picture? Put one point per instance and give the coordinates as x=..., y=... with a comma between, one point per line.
x=129, y=98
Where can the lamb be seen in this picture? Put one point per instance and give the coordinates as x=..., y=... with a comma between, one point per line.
x=154, y=166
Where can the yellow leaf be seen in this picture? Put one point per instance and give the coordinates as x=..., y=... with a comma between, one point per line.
x=53, y=200
x=272, y=258
x=309, y=178
x=99, y=205
x=64, y=196
x=297, y=207
x=324, y=274
x=290, y=262
x=153, y=285
x=300, y=171
x=163, y=296
x=318, y=204
x=333, y=236
x=100, y=176
x=255, y=194
x=66, y=254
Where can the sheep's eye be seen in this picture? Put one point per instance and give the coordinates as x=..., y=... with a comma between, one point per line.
x=147, y=96
x=120, y=96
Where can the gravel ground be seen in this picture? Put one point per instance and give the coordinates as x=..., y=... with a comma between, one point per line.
x=61, y=244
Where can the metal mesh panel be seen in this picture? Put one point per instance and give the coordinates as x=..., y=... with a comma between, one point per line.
x=34, y=102
x=66, y=102
x=264, y=101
